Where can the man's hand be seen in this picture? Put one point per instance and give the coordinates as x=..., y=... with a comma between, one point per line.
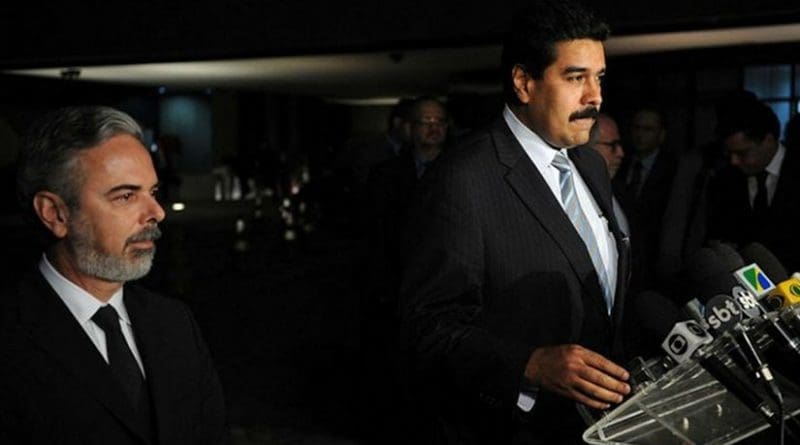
x=577, y=373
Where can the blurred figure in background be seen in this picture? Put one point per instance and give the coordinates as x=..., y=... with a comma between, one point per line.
x=606, y=141
x=391, y=189
x=755, y=199
x=388, y=146
x=642, y=184
x=685, y=227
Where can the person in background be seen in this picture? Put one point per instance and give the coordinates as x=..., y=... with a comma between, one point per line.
x=685, y=224
x=387, y=146
x=643, y=184
x=606, y=140
x=391, y=189
x=754, y=199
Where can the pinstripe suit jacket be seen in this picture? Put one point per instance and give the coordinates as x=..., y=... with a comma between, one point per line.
x=496, y=269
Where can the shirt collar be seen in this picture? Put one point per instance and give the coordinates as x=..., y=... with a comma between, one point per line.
x=537, y=149
x=774, y=166
x=80, y=303
x=650, y=159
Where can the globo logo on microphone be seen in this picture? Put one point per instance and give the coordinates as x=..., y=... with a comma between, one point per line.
x=677, y=344
x=685, y=339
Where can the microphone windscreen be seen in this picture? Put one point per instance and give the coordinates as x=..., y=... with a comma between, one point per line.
x=702, y=264
x=730, y=258
x=708, y=274
x=766, y=260
x=656, y=313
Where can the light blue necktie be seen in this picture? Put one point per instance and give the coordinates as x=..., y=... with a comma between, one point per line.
x=578, y=218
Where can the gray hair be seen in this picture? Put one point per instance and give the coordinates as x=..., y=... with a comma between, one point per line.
x=48, y=158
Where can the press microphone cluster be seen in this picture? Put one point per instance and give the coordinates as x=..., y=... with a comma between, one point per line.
x=737, y=304
x=688, y=340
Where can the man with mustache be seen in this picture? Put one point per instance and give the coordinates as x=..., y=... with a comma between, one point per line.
x=515, y=279
x=85, y=358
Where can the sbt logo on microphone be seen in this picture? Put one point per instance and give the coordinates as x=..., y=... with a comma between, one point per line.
x=723, y=313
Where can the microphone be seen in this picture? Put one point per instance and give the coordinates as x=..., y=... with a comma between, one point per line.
x=753, y=276
x=734, y=308
x=724, y=313
x=709, y=275
x=757, y=253
x=791, y=316
x=728, y=256
x=731, y=309
x=785, y=294
x=694, y=310
x=746, y=267
x=687, y=340
x=754, y=280
x=654, y=316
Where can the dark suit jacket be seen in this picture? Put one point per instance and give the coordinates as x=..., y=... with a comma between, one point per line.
x=496, y=270
x=646, y=213
x=732, y=219
x=391, y=186
x=55, y=386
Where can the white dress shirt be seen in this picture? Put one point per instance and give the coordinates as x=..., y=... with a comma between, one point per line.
x=83, y=306
x=773, y=170
x=542, y=154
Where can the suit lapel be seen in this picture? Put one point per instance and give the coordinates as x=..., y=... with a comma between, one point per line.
x=150, y=333
x=534, y=192
x=56, y=331
x=602, y=195
x=786, y=189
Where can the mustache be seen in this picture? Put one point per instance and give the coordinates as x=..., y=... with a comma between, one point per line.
x=590, y=112
x=148, y=234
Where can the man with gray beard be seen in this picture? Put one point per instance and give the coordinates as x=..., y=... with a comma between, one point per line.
x=85, y=358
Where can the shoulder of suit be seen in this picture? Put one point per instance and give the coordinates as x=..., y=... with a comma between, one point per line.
x=14, y=293
x=475, y=146
x=588, y=155
x=153, y=300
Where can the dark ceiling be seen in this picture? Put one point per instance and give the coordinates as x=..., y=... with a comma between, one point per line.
x=38, y=33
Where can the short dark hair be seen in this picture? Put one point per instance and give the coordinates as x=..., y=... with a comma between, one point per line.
x=49, y=150
x=535, y=32
x=416, y=104
x=653, y=109
x=401, y=110
x=753, y=118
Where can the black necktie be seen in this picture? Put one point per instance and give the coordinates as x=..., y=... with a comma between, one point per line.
x=635, y=182
x=760, y=203
x=120, y=357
